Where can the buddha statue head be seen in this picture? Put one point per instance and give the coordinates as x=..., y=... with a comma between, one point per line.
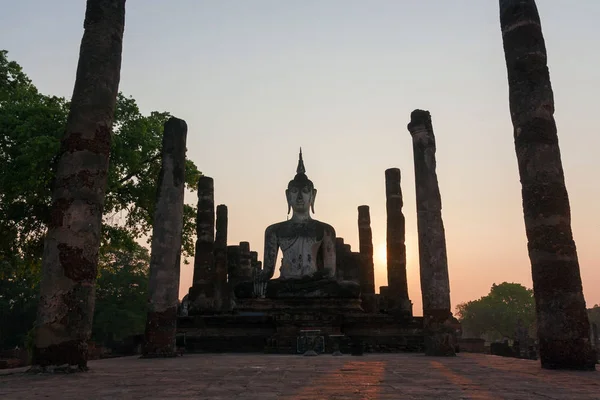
x=301, y=192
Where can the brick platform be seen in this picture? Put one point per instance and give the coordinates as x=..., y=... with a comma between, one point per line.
x=264, y=377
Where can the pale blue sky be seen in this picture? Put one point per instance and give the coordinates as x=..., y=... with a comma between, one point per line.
x=256, y=79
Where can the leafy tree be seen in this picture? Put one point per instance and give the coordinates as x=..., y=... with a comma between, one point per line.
x=31, y=127
x=121, y=292
x=497, y=315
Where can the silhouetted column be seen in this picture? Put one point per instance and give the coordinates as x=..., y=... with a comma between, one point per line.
x=233, y=265
x=340, y=266
x=354, y=261
x=254, y=263
x=245, y=268
x=163, y=284
x=397, y=293
x=365, y=238
x=562, y=320
x=222, y=298
x=203, y=290
x=435, y=285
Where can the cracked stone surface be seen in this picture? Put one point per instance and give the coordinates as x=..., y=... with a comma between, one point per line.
x=286, y=377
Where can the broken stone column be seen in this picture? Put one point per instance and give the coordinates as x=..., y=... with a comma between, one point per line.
x=354, y=261
x=233, y=265
x=367, y=267
x=397, y=294
x=254, y=263
x=220, y=255
x=433, y=262
x=245, y=266
x=562, y=320
x=163, y=284
x=203, y=291
x=365, y=238
x=340, y=266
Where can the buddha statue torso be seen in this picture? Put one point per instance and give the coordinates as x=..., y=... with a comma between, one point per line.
x=306, y=246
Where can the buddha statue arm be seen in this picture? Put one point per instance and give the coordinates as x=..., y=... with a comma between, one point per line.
x=270, y=253
x=329, y=251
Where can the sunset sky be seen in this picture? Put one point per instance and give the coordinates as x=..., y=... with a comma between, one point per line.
x=257, y=79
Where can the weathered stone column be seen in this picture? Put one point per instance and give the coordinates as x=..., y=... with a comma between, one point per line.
x=254, y=263
x=163, y=284
x=233, y=265
x=435, y=284
x=397, y=292
x=340, y=266
x=354, y=261
x=365, y=238
x=245, y=266
x=70, y=259
x=203, y=290
x=562, y=319
x=222, y=298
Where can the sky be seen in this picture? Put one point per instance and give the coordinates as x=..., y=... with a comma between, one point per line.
x=255, y=80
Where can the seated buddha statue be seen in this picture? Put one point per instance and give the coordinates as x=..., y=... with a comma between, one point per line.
x=308, y=247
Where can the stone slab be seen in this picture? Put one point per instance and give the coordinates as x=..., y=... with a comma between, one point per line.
x=286, y=377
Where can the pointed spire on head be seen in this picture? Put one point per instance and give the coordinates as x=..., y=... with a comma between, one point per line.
x=301, y=179
x=300, y=169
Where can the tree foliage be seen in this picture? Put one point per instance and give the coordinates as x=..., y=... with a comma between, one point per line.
x=500, y=313
x=31, y=127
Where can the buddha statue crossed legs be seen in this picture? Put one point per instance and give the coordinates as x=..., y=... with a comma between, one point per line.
x=308, y=247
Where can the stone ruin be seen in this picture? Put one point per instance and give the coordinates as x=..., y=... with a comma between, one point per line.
x=324, y=299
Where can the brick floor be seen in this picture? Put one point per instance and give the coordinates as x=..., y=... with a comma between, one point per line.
x=265, y=377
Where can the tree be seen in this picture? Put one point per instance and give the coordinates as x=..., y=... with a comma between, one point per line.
x=122, y=291
x=31, y=125
x=563, y=326
x=500, y=312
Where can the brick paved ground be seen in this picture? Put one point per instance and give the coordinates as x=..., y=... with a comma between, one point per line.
x=264, y=377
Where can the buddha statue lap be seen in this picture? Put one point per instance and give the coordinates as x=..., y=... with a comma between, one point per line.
x=308, y=247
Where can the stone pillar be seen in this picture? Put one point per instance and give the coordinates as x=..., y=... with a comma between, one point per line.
x=340, y=266
x=203, y=290
x=233, y=265
x=435, y=284
x=354, y=261
x=365, y=238
x=562, y=320
x=163, y=284
x=397, y=294
x=233, y=270
x=245, y=267
x=70, y=258
x=256, y=265
x=222, y=298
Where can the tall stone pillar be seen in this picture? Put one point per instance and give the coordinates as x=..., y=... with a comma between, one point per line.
x=562, y=320
x=203, y=290
x=365, y=238
x=163, y=284
x=435, y=284
x=222, y=298
x=70, y=259
x=397, y=292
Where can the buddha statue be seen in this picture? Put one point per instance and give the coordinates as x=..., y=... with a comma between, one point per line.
x=308, y=247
